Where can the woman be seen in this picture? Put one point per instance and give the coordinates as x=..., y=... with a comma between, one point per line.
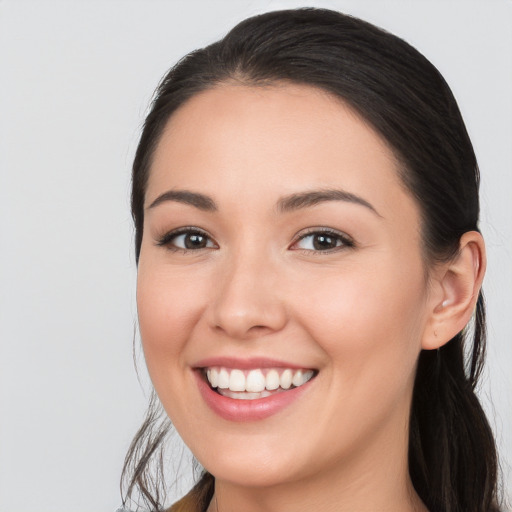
x=305, y=198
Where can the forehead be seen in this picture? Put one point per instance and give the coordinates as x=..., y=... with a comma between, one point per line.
x=273, y=140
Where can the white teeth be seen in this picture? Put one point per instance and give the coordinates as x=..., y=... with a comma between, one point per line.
x=297, y=378
x=300, y=377
x=245, y=395
x=307, y=376
x=272, y=380
x=286, y=379
x=255, y=381
x=223, y=382
x=213, y=377
x=237, y=380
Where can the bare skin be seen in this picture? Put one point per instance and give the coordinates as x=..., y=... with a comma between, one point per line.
x=357, y=309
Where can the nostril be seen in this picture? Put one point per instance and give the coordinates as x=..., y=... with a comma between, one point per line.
x=255, y=330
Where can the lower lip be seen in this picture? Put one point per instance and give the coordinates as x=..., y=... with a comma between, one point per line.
x=247, y=410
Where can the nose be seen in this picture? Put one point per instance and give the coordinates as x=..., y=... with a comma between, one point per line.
x=248, y=302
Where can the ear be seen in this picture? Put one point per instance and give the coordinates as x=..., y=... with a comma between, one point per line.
x=454, y=292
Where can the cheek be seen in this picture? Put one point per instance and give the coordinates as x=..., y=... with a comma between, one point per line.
x=368, y=322
x=369, y=328
x=168, y=305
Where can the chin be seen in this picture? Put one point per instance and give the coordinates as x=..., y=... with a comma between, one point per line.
x=247, y=474
x=257, y=464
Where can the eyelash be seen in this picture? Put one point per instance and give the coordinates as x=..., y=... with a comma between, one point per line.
x=346, y=242
x=167, y=239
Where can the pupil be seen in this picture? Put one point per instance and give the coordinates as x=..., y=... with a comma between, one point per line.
x=195, y=241
x=323, y=242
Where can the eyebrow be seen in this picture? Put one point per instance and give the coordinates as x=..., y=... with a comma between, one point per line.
x=200, y=201
x=285, y=204
x=311, y=198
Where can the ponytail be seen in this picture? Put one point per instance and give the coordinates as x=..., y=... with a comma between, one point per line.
x=452, y=455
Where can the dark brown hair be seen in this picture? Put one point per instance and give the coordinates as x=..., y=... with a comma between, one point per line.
x=452, y=456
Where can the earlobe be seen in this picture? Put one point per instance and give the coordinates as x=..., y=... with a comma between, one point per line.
x=456, y=291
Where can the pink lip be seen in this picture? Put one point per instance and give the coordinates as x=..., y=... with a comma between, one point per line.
x=246, y=364
x=246, y=410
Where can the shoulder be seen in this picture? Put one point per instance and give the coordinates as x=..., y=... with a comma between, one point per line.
x=187, y=504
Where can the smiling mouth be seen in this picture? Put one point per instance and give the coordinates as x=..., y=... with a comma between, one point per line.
x=256, y=383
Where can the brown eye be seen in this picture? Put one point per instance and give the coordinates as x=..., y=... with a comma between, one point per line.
x=323, y=241
x=187, y=240
x=194, y=241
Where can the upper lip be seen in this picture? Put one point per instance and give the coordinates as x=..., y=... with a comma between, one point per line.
x=248, y=364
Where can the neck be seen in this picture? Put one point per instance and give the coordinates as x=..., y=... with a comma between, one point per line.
x=304, y=497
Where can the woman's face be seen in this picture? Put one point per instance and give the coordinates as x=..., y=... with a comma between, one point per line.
x=279, y=240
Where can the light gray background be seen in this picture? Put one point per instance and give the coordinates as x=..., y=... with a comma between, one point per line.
x=75, y=80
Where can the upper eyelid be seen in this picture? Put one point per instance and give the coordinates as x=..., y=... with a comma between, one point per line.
x=173, y=233
x=311, y=231
x=187, y=229
x=347, y=240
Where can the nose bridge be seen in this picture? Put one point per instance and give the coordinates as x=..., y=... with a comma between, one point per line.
x=247, y=301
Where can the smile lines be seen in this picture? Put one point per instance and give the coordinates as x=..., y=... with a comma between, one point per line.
x=256, y=383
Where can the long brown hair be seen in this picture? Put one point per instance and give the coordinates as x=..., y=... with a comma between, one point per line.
x=452, y=455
